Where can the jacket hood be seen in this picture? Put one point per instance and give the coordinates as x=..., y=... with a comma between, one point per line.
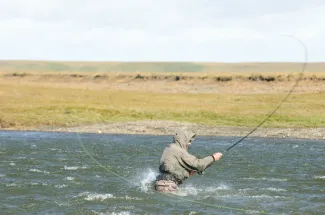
x=183, y=136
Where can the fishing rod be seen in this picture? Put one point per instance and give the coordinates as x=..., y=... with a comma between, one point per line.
x=280, y=104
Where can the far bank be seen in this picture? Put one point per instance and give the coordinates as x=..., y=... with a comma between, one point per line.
x=163, y=127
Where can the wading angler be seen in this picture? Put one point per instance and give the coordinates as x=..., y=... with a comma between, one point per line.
x=176, y=164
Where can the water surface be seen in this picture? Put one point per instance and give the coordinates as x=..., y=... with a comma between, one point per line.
x=51, y=173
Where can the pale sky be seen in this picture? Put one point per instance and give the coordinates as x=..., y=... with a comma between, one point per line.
x=162, y=30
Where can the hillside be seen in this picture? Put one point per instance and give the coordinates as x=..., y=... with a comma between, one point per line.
x=56, y=66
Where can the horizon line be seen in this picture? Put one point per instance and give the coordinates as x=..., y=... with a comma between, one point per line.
x=152, y=61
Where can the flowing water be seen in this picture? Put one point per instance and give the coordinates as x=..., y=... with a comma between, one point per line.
x=51, y=173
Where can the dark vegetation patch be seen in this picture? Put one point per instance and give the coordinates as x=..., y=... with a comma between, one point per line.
x=17, y=74
x=223, y=78
x=261, y=78
x=77, y=75
x=100, y=76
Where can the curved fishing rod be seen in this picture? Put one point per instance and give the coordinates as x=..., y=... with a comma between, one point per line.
x=243, y=210
x=193, y=201
x=289, y=93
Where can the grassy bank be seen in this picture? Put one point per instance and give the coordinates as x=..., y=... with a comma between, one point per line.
x=62, y=94
x=34, y=104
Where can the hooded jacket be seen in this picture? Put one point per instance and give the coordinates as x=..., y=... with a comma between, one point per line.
x=177, y=162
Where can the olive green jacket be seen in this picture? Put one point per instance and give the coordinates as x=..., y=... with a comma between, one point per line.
x=176, y=160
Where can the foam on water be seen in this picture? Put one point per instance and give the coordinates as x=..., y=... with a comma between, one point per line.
x=275, y=189
x=246, y=185
x=74, y=167
x=219, y=187
x=242, y=196
x=266, y=179
x=35, y=184
x=11, y=185
x=12, y=164
x=100, y=197
x=33, y=146
x=22, y=158
x=69, y=178
x=191, y=190
x=115, y=213
x=64, y=203
x=60, y=186
x=267, y=189
x=103, y=196
x=265, y=197
x=319, y=177
x=37, y=170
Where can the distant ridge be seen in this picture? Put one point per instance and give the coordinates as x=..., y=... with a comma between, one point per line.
x=171, y=67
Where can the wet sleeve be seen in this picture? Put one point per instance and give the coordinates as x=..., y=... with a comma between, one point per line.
x=193, y=163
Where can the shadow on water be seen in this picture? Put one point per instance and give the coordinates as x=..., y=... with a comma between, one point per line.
x=51, y=173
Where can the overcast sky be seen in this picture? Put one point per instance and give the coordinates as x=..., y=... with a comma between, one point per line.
x=162, y=30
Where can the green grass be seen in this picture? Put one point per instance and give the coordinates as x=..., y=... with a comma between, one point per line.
x=28, y=106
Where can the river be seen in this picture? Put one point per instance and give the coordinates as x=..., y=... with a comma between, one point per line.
x=71, y=173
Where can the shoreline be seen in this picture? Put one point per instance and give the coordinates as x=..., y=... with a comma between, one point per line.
x=163, y=127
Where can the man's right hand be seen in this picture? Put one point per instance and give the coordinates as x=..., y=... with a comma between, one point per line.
x=217, y=156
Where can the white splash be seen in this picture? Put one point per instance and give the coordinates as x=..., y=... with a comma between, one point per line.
x=12, y=164
x=146, y=180
x=188, y=189
x=319, y=177
x=37, y=170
